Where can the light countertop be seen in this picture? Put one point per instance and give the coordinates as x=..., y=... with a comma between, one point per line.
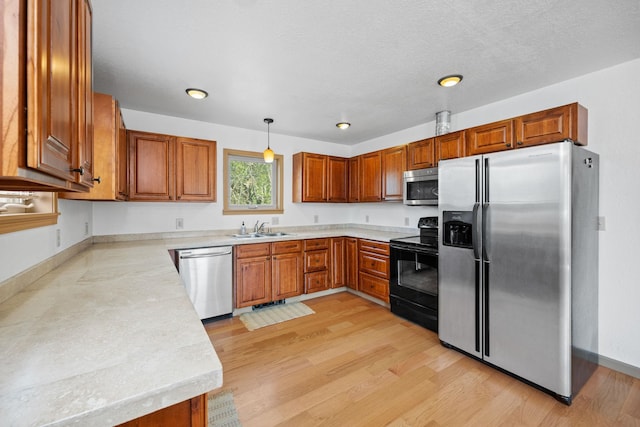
x=111, y=335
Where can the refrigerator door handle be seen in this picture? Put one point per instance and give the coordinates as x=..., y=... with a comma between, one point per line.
x=475, y=237
x=477, y=303
x=486, y=309
x=485, y=232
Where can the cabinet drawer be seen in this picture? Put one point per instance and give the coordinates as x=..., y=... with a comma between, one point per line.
x=317, y=281
x=374, y=264
x=373, y=246
x=287, y=247
x=253, y=250
x=316, y=260
x=374, y=286
x=313, y=244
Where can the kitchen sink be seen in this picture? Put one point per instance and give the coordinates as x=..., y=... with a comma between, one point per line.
x=258, y=235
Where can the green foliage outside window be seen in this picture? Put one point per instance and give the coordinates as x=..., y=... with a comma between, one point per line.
x=250, y=182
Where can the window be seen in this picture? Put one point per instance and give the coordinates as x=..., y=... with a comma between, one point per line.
x=250, y=184
x=21, y=210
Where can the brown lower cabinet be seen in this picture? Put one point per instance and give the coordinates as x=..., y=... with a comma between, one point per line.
x=189, y=413
x=266, y=272
x=351, y=262
x=316, y=265
x=373, y=263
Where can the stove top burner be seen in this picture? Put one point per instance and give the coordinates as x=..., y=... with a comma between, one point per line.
x=428, y=238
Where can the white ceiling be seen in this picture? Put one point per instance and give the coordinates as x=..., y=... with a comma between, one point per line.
x=374, y=63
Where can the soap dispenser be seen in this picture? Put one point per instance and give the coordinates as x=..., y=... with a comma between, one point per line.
x=243, y=229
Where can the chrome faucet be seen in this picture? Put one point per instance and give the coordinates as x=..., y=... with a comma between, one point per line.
x=261, y=228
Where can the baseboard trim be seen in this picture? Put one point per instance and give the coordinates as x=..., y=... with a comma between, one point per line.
x=619, y=366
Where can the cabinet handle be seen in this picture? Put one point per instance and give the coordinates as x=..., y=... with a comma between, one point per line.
x=519, y=142
x=98, y=180
x=508, y=144
x=80, y=170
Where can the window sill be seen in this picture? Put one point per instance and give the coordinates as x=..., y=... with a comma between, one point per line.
x=17, y=222
x=251, y=211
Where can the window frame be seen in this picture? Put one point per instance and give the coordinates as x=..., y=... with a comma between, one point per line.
x=279, y=187
x=10, y=223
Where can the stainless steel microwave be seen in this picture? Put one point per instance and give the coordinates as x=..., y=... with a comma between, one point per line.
x=420, y=187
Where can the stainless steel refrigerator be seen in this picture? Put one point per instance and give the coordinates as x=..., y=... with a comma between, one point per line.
x=518, y=265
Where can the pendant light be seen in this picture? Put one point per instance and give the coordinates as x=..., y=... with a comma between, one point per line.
x=268, y=153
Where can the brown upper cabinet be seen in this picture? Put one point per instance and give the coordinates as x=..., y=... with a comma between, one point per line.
x=46, y=66
x=370, y=173
x=450, y=146
x=553, y=125
x=354, y=179
x=319, y=178
x=171, y=168
x=394, y=163
x=110, y=147
x=421, y=154
x=490, y=138
x=542, y=127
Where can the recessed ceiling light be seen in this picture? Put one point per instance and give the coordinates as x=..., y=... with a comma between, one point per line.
x=197, y=93
x=452, y=80
x=343, y=125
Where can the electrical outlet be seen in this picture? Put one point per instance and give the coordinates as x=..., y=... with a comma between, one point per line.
x=86, y=228
x=315, y=219
x=179, y=223
x=601, y=223
x=57, y=237
x=275, y=220
x=366, y=218
x=406, y=220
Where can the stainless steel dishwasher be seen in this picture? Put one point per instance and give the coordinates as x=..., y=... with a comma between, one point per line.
x=207, y=276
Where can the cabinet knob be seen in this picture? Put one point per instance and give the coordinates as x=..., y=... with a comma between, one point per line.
x=519, y=142
x=98, y=180
x=508, y=144
x=80, y=170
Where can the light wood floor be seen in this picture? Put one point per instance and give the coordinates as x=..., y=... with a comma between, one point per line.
x=353, y=363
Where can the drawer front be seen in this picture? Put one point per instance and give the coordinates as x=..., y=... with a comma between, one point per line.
x=317, y=281
x=253, y=250
x=374, y=286
x=374, y=264
x=316, y=260
x=373, y=246
x=314, y=244
x=287, y=247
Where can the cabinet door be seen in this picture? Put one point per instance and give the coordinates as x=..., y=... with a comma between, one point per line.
x=351, y=262
x=195, y=170
x=354, y=179
x=84, y=154
x=314, y=178
x=338, y=262
x=421, y=154
x=287, y=275
x=337, y=171
x=316, y=260
x=122, y=156
x=450, y=146
x=51, y=77
x=552, y=125
x=371, y=177
x=253, y=281
x=394, y=163
x=490, y=138
x=375, y=286
x=151, y=168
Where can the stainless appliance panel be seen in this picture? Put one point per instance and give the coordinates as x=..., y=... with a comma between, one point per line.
x=207, y=277
x=527, y=243
x=459, y=308
x=420, y=187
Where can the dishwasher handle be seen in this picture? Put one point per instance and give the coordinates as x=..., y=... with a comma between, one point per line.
x=205, y=255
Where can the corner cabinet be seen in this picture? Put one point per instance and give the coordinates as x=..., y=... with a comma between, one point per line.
x=170, y=168
x=47, y=72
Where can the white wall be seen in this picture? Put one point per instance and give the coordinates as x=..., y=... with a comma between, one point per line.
x=24, y=249
x=612, y=114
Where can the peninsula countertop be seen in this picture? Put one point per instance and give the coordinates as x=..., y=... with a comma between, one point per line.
x=111, y=335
